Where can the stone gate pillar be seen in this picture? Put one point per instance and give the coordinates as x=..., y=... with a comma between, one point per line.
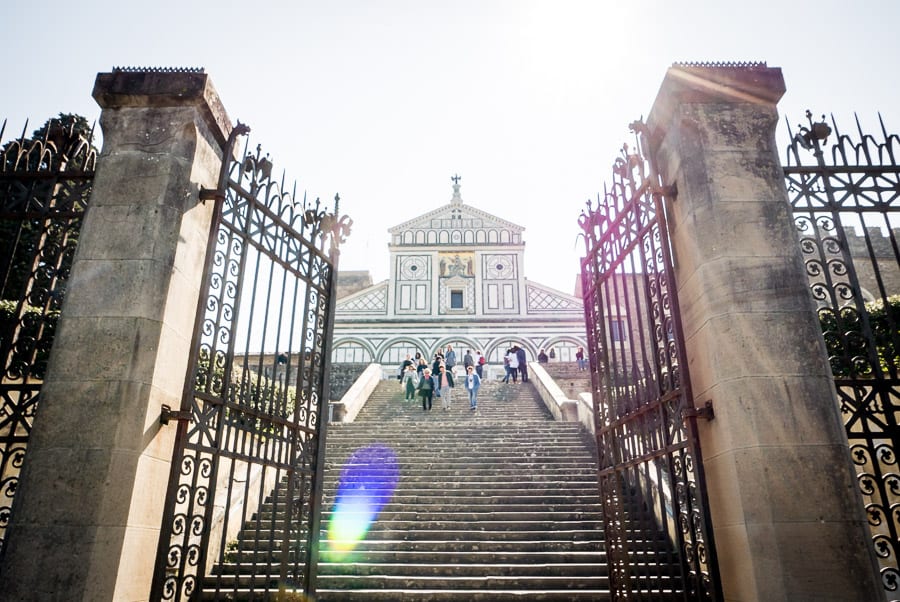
x=90, y=500
x=787, y=516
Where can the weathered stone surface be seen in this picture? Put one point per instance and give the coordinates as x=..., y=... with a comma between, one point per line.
x=91, y=494
x=781, y=489
x=766, y=411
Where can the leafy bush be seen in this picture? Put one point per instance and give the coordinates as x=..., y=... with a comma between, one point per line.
x=31, y=338
x=849, y=347
x=247, y=390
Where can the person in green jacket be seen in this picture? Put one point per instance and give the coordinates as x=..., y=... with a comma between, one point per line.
x=426, y=389
x=409, y=382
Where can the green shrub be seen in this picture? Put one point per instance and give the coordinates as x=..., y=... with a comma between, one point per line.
x=247, y=390
x=848, y=346
x=31, y=338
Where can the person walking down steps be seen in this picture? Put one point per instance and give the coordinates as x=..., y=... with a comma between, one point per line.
x=409, y=382
x=473, y=382
x=445, y=384
x=513, y=364
x=425, y=389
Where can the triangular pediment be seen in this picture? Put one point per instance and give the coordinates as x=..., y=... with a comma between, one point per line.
x=456, y=212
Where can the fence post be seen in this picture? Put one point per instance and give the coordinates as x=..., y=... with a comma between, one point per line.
x=787, y=516
x=90, y=500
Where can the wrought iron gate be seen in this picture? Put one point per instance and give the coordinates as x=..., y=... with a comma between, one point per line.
x=45, y=184
x=657, y=529
x=251, y=425
x=847, y=211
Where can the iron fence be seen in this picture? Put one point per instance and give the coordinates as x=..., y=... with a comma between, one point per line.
x=45, y=186
x=846, y=205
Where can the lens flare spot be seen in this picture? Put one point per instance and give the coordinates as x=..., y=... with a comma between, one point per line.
x=365, y=486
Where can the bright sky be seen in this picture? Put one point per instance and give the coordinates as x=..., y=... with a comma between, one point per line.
x=383, y=101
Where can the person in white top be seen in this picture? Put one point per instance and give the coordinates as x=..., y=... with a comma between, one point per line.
x=473, y=382
x=513, y=364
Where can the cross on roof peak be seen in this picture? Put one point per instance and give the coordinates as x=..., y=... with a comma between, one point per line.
x=456, y=198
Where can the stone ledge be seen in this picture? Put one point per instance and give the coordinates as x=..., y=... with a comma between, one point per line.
x=562, y=408
x=155, y=89
x=355, y=398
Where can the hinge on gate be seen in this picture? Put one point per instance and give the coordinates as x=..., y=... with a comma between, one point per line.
x=211, y=194
x=670, y=192
x=166, y=414
x=705, y=412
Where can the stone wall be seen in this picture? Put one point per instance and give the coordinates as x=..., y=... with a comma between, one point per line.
x=342, y=378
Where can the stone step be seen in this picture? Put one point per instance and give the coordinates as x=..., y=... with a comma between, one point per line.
x=465, y=510
x=448, y=531
x=563, y=542
x=426, y=581
x=485, y=593
x=438, y=458
x=423, y=567
x=437, y=546
x=482, y=480
x=497, y=504
x=436, y=552
x=437, y=595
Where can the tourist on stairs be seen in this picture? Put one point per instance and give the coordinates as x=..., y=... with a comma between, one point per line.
x=426, y=389
x=513, y=365
x=445, y=384
x=410, y=380
x=473, y=382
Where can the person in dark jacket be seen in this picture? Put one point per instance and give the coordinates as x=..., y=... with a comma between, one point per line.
x=425, y=388
x=579, y=357
x=523, y=363
x=444, y=381
x=407, y=362
x=468, y=359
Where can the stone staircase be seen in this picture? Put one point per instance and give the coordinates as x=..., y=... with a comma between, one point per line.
x=490, y=505
x=496, y=504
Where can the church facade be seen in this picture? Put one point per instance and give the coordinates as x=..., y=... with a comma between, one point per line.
x=457, y=277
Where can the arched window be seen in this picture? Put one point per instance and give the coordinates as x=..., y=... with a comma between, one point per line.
x=496, y=354
x=395, y=353
x=350, y=352
x=563, y=351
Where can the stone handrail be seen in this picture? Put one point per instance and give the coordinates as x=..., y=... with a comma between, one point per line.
x=356, y=396
x=562, y=408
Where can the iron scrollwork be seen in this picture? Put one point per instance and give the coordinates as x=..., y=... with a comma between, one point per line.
x=257, y=387
x=45, y=186
x=649, y=472
x=846, y=210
